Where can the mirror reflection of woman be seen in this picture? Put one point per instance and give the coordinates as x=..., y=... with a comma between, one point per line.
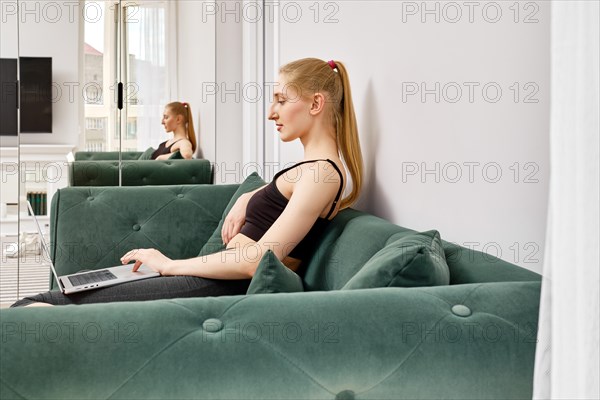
x=177, y=119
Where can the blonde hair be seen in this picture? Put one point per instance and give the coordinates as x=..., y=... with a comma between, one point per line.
x=312, y=75
x=184, y=109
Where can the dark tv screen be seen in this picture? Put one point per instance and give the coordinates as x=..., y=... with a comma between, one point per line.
x=36, y=94
x=8, y=97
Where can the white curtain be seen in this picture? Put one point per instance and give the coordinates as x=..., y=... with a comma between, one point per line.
x=567, y=355
x=150, y=38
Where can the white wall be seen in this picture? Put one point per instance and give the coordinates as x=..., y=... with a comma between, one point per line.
x=229, y=77
x=384, y=55
x=196, y=68
x=210, y=72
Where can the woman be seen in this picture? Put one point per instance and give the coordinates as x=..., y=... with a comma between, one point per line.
x=312, y=102
x=177, y=118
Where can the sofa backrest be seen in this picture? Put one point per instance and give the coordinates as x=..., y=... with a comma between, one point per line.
x=354, y=236
x=140, y=172
x=106, y=155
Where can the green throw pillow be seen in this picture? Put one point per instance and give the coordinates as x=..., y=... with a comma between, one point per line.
x=215, y=242
x=176, y=156
x=415, y=260
x=272, y=276
x=146, y=155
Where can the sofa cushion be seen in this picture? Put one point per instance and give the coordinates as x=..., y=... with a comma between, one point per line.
x=272, y=276
x=147, y=155
x=344, y=247
x=417, y=259
x=215, y=242
x=176, y=156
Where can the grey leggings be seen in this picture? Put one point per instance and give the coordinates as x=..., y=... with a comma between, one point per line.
x=161, y=287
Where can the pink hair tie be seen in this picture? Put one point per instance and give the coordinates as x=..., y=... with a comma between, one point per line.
x=332, y=64
x=184, y=104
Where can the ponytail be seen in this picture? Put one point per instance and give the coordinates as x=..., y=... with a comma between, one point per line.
x=348, y=141
x=190, y=127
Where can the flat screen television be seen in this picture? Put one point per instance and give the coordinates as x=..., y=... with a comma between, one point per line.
x=36, y=94
x=8, y=97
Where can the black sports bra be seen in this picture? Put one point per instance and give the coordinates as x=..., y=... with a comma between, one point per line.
x=163, y=149
x=267, y=204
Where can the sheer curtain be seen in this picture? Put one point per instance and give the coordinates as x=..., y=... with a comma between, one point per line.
x=152, y=72
x=567, y=355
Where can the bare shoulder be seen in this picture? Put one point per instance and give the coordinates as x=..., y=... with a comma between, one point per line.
x=183, y=143
x=318, y=180
x=324, y=172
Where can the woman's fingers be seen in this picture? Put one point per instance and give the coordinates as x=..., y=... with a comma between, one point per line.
x=151, y=258
x=229, y=232
x=137, y=265
x=235, y=229
x=130, y=255
x=224, y=233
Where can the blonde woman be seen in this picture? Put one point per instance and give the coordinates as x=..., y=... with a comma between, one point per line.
x=312, y=103
x=177, y=118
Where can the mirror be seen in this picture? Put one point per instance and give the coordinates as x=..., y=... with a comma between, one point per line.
x=157, y=48
x=9, y=142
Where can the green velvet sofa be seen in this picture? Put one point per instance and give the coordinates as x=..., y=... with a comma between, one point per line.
x=472, y=339
x=102, y=169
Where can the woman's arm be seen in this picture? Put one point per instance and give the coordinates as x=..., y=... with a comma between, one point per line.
x=235, y=263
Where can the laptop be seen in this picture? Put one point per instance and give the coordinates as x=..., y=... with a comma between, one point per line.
x=83, y=281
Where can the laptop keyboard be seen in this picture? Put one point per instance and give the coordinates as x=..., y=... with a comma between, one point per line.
x=91, y=277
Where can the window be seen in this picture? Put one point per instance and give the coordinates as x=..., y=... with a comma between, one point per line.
x=94, y=123
x=131, y=128
x=144, y=76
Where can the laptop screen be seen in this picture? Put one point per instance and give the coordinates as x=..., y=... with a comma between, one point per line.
x=45, y=247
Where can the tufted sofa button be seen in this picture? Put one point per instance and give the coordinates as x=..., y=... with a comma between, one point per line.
x=345, y=395
x=180, y=196
x=90, y=198
x=136, y=227
x=461, y=310
x=212, y=325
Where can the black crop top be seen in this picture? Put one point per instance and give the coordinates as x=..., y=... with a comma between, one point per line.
x=163, y=149
x=266, y=206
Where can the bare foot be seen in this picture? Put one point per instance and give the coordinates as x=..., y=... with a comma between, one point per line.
x=39, y=305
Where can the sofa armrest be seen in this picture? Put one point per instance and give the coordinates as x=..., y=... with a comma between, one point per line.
x=400, y=343
x=141, y=172
x=91, y=228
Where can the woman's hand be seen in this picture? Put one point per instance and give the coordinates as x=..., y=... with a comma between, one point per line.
x=151, y=258
x=235, y=219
